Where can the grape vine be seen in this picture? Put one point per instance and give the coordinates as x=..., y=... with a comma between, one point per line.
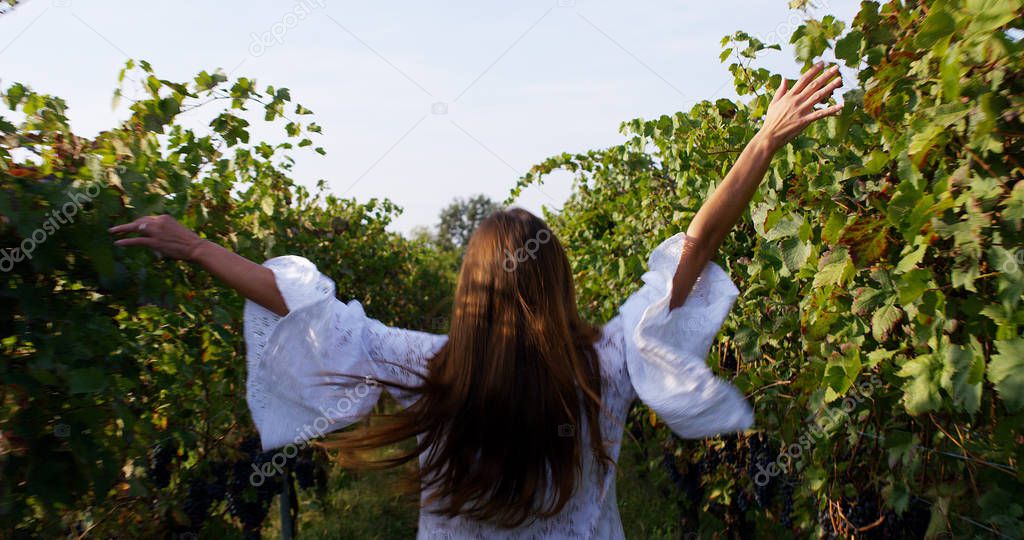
x=878, y=333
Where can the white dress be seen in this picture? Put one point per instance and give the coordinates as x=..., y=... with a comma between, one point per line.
x=645, y=352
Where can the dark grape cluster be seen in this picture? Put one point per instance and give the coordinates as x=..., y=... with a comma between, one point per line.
x=785, y=493
x=203, y=493
x=865, y=518
x=915, y=520
x=160, y=458
x=247, y=502
x=687, y=483
x=762, y=454
x=913, y=523
x=827, y=531
x=247, y=484
x=668, y=462
x=305, y=468
x=709, y=462
x=197, y=503
x=728, y=359
x=743, y=502
x=729, y=452
x=250, y=506
x=892, y=527
x=320, y=481
x=216, y=489
x=861, y=512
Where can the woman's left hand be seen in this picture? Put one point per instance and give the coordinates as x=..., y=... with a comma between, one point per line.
x=163, y=234
x=792, y=110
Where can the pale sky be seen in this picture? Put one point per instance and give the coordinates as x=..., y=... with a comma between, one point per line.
x=419, y=102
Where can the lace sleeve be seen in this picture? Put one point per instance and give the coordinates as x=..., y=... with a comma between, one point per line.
x=317, y=369
x=666, y=351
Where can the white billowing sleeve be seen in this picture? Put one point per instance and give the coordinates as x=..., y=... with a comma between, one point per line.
x=666, y=352
x=296, y=386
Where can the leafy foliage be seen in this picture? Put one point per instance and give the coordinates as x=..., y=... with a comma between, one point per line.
x=878, y=334
x=881, y=298
x=459, y=219
x=122, y=374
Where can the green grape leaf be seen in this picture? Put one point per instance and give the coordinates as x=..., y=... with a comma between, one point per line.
x=795, y=253
x=87, y=380
x=884, y=320
x=987, y=15
x=848, y=48
x=912, y=285
x=1006, y=373
x=963, y=374
x=866, y=299
x=921, y=390
x=840, y=373
x=835, y=270
x=912, y=259
x=938, y=25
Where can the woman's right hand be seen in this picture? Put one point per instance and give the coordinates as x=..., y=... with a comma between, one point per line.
x=163, y=234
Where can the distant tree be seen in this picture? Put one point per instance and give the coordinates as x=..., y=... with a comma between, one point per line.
x=423, y=233
x=460, y=218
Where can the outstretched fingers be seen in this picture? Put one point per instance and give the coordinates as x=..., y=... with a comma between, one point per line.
x=781, y=91
x=137, y=241
x=807, y=77
x=828, y=111
x=134, y=226
x=818, y=83
x=822, y=95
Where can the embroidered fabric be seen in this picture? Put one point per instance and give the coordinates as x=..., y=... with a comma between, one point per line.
x=296, y=389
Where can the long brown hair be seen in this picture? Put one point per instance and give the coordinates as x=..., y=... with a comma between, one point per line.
x=504, y=401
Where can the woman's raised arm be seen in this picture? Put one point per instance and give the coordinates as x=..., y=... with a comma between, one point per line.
x=172, y=239
x=790, y=111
